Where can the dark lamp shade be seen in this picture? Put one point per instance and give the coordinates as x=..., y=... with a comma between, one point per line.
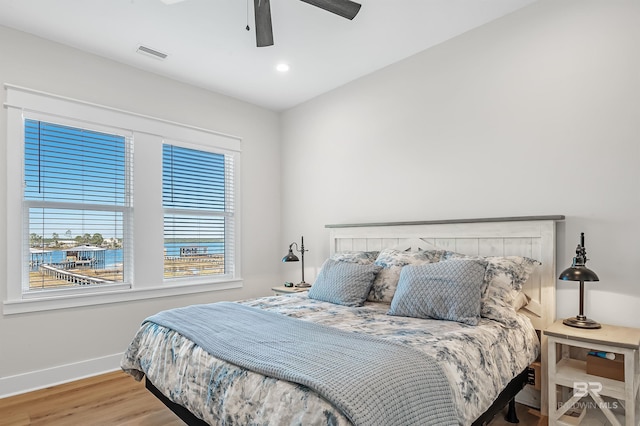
x=290, y=257
x=578, y=273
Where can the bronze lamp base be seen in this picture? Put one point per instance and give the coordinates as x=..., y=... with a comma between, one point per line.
x=580, y=321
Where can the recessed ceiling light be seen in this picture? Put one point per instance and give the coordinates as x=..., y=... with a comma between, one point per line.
x=282, y=67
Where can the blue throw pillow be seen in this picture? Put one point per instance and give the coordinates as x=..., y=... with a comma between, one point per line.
x=344, y=283
x=449, y=290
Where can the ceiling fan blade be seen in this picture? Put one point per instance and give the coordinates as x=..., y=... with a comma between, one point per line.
x=264, y=31
x=345, y=8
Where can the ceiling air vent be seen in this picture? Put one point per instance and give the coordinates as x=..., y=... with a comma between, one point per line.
x=151, y=52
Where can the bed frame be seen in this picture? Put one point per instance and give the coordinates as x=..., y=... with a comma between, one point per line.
x=531, y=236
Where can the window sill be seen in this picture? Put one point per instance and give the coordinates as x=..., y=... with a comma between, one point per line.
x=32, y=304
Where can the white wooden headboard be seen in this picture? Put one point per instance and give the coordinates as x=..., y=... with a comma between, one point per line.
x=532, y=236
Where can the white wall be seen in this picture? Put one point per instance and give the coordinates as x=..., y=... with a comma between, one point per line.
x=37, y=348
x=536, y=113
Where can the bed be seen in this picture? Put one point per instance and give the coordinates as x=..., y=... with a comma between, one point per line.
x=483, y=359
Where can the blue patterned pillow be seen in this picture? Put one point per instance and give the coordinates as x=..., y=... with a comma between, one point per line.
x=448, y=290
x=344, y=283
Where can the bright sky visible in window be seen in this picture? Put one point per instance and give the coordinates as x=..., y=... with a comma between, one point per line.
x=67, y=165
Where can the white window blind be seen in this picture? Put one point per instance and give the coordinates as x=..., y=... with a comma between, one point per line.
x=77, y=206
x=199, y=214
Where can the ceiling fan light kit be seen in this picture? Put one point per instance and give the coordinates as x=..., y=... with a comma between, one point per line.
x=262, y=10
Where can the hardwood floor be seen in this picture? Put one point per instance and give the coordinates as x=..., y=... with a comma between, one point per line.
x=109, y=399
x=117, y=399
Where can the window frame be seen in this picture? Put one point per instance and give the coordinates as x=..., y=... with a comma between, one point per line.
x=126, y=210
x=147, y=238
x=231, y=215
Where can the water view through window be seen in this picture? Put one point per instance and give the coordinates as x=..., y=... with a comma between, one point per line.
x=78, y=190
x=76, y=194
x=196, y=207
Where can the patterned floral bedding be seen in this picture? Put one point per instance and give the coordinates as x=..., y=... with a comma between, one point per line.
x=478, y=360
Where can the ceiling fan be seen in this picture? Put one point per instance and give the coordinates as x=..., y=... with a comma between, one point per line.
x=262, y=10
x=264, y=32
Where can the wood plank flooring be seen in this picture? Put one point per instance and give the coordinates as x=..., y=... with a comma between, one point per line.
x=109, y=399
x=117, y=399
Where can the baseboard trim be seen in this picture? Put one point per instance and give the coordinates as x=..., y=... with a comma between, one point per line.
x=34, y=380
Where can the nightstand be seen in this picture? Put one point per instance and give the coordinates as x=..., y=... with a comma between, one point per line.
x=606, y=401
x=280, y=290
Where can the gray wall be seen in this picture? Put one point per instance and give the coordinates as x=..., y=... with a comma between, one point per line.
x=536, y=113
x=38, y=345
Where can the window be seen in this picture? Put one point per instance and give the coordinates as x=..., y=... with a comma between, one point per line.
x=109, y=206
x=197, y=196
x=76, y=202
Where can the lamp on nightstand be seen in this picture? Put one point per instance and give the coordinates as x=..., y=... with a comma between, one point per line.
x=290, y=257
x=579, y=272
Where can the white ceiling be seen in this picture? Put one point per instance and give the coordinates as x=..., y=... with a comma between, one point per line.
x=208, y=46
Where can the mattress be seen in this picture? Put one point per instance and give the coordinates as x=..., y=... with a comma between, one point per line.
x=479, y=361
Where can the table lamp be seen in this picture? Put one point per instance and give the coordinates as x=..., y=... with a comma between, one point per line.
x=290, y=257
x=579, y=272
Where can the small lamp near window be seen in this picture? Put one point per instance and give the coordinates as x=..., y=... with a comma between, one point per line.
x=290, y=257
x=579, y=272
